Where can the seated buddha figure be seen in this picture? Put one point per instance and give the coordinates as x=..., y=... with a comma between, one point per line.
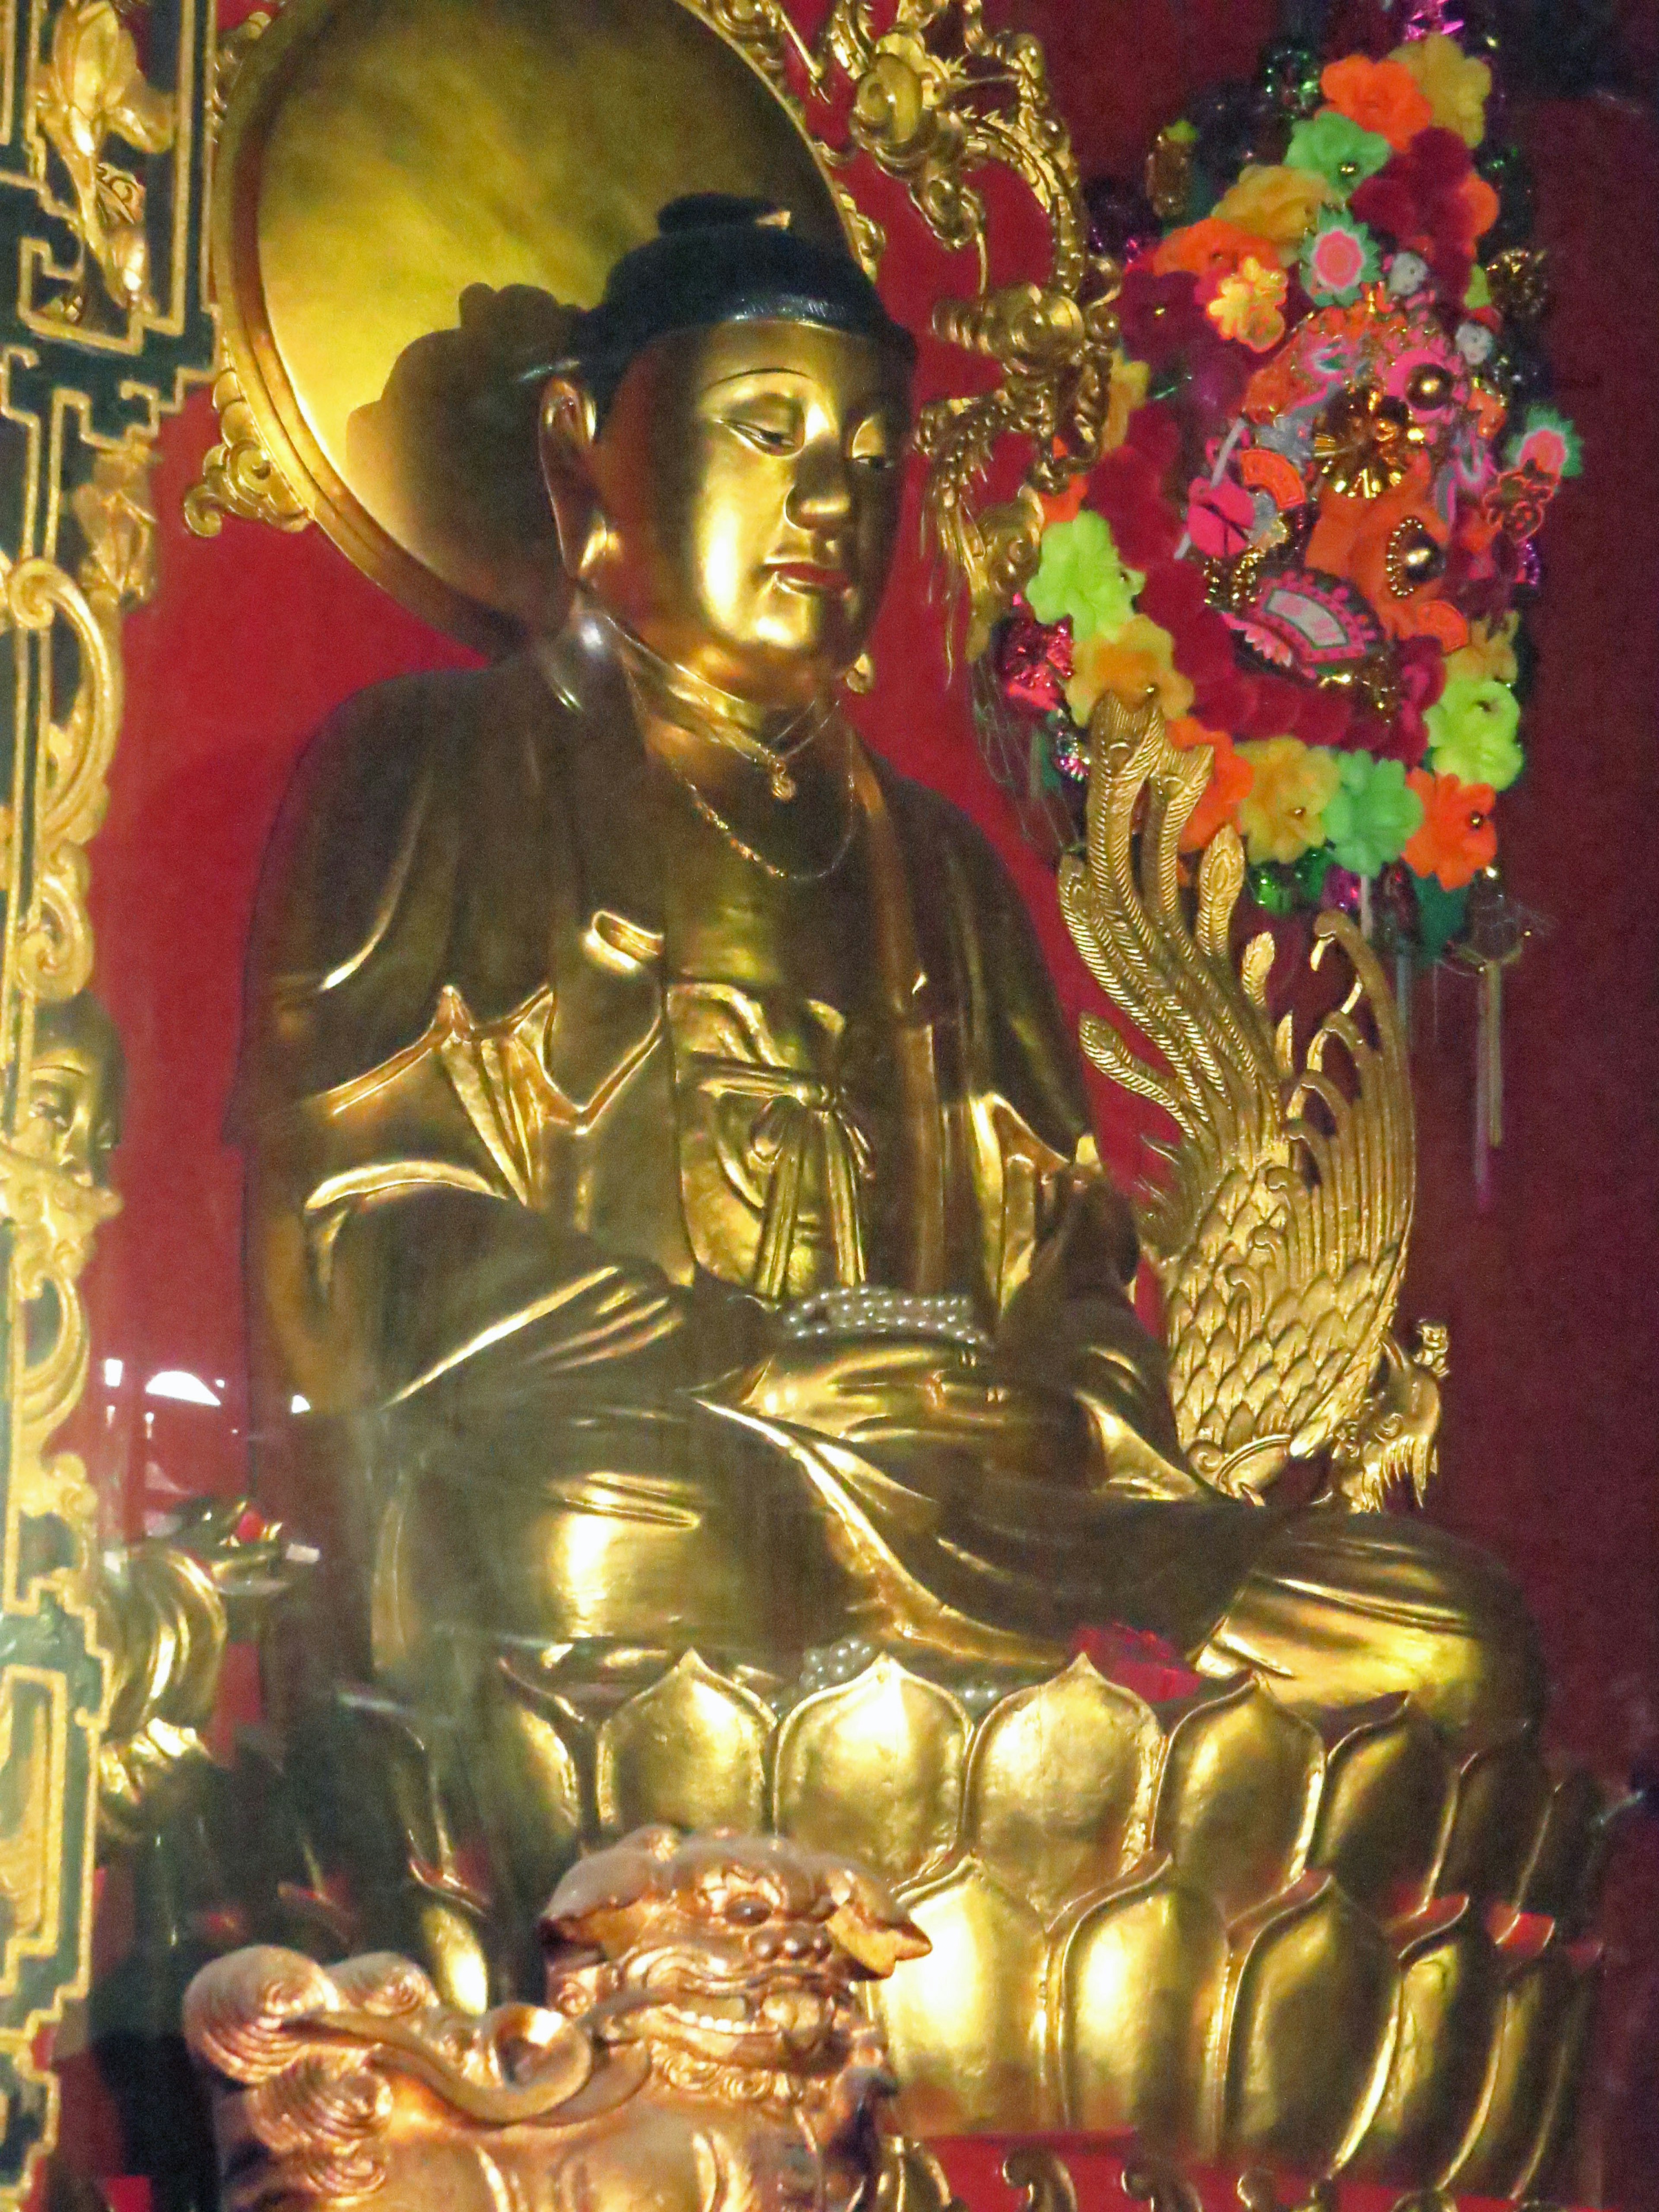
x=673, y=1221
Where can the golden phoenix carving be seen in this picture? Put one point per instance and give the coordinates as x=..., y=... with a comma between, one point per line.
x=1280, y=1231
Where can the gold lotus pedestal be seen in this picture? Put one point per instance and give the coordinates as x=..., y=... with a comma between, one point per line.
x=1253, y=1937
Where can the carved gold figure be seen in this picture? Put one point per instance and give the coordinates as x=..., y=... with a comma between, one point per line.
x=691, y=1327
x=673, y=1222
x=701, y=2049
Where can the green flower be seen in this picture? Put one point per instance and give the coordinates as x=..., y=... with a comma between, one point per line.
x=1081, y=575
x=1338, y=150
x=1471, y=728
x=1374, y=815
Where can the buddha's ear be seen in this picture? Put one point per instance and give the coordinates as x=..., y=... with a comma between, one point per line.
x=568, y=428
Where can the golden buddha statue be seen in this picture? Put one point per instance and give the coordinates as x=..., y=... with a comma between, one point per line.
x=672, y=1220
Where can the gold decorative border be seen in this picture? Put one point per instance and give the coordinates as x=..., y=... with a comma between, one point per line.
x=103, y=325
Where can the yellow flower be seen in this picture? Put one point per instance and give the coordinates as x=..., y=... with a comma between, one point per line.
x=1490, y=653
x=1246, y=307
x=1454, y=83
x=1278, y=205
x=1135, y=660
x=1283, y=814
x=1126, y=392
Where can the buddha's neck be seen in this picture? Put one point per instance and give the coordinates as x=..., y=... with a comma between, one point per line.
x=677, y=699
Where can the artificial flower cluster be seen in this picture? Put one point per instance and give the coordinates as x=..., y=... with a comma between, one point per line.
x=1308, y=541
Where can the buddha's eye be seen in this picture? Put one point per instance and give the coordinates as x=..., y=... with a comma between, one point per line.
x=770, y=427
x=871, y=444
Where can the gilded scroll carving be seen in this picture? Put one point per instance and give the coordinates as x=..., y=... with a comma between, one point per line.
x=238, y=476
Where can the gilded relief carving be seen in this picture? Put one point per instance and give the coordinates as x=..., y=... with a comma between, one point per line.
x=1280, y=1228
x=91, y=90
x=700, y=2034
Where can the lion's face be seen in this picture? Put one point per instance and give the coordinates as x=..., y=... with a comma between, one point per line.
x=734, y=1951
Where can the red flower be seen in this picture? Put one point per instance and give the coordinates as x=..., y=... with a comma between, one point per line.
x=1127, y=488
x=1323, y=715
x=1173, y=596
x=1428, y=198
x=1159, y=317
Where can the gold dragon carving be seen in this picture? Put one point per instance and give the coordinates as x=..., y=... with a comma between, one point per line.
x=91, y=89
x=703, y=2033
x=1279, y=1231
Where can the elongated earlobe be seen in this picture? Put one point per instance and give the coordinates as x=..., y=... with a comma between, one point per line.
x=600, y=541
x=567, y=431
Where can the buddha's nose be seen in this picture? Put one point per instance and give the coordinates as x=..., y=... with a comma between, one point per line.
x=823, y=491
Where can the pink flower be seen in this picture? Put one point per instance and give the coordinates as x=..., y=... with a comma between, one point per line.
x=1219, y=517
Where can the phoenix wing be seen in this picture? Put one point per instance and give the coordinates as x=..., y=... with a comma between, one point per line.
x=1279, y=1230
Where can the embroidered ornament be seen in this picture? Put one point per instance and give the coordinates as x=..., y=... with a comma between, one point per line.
x=1547, y=441
x=1517, y=502
x=1221, y=517
x=1339, y=258
x=1306, y=624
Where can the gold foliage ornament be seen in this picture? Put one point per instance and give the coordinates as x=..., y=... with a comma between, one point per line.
x=936, y=119
x=1280, y=1237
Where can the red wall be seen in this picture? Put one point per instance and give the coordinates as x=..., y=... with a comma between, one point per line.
x=1553, y=1406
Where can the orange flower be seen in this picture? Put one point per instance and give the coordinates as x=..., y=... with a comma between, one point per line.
x=1211, y=250
x=1458, y=836
x=1066, y=506
x=1231, y=778
x=1381, y=96
x=1135, y=660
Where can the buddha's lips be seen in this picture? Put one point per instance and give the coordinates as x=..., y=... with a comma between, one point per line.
x=810, y=576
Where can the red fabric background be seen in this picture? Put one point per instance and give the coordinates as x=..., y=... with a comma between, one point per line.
x=1548, y=1454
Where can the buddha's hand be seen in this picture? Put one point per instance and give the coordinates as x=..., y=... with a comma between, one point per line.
x=1070, y=1327
x=1086, y=1259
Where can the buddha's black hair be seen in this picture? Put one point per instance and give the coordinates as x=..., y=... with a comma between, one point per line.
x=717, y=259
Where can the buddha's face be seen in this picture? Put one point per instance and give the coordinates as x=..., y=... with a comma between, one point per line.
x=742, y=495
x=68, y=1122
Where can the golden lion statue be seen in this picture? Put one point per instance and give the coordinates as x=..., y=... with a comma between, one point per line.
x=701, y=2048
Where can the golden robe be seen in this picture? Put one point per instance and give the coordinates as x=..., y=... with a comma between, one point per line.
x=580, y=1146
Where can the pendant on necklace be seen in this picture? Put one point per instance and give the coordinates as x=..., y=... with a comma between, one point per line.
x=783, y=784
